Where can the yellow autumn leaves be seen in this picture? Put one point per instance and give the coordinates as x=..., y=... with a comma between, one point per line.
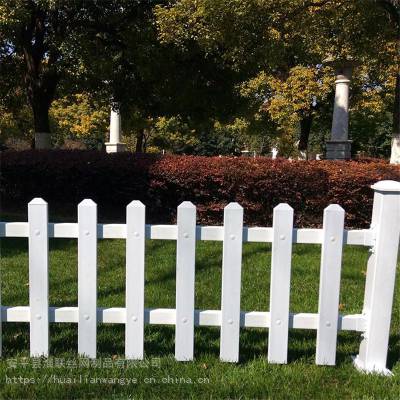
x=79, y=115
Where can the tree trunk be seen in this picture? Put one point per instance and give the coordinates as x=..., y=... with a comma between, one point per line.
x=40, y=109
x=41, y=76
x=395, y=153
x=305, y=129
x=139, y=141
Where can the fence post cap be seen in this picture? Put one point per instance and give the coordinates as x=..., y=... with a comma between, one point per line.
x=136, y=204
x=386, y=186
x=334, y=207
x=283, y=207
x=233, y=206
x=37, y=201
x=186, y=204
x=87, y=203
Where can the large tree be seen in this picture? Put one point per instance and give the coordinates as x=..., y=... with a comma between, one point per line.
x=110, y=50
x=49, y=44
x=280, y=46
x=392, y=7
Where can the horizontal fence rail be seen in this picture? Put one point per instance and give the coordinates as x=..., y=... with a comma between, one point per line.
x=373, y=322
x=167, y=316
x=362, y=237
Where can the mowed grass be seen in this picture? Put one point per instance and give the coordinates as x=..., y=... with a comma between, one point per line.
x=160, y=376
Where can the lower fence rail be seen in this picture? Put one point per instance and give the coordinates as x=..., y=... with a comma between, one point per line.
x=167, y=316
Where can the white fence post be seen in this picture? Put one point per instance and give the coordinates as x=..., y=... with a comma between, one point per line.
x=38, y=277
x=281, y=261
x=87, y=278
x=381, y=275
x=231, y=282
x=329, y=284
x=185, y=280
x=135, y=259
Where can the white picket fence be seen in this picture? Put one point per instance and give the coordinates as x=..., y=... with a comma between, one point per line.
x=373, y=322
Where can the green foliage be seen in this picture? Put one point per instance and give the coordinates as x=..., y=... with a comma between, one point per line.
x=16, y=125
x=80, y=117
x=281, y=60
x=188, y=71
x=173, y=135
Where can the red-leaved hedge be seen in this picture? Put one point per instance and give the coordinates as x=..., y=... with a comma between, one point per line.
x=64, y=178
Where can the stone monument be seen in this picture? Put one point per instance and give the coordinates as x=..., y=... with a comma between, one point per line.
x=114, y=145
x=339, y=147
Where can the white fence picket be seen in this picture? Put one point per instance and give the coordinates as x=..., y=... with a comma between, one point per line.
x=329, y=288
x=280, y=284
x=185, y=280
x=38, y=277
x=135, y=259
x=87, y=278
x=231, y=282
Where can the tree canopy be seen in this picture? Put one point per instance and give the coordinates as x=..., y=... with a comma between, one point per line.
x=281, y=48
x=199, y=76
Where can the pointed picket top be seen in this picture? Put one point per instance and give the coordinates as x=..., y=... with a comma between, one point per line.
x=186, y=204
x=233, y=206
x=136, y=204
x=283, y=207
x=37, y=201
x=87, y=203
x=386, y=186
x=334, y=207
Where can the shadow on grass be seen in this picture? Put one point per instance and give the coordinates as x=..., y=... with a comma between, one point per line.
x=394, y=350
x=203, y=263
x=159, y=342
x=16, y=247
x=13, y=247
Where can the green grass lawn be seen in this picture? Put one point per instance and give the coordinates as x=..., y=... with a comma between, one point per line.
x=160, y=376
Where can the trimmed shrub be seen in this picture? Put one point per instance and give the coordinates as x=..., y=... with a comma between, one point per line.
x=64, y=178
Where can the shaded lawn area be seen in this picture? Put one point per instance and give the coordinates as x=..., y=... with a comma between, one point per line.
x=160, y=376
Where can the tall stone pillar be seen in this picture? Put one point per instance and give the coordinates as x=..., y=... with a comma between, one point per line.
x=339, y=147
x=114, y=145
